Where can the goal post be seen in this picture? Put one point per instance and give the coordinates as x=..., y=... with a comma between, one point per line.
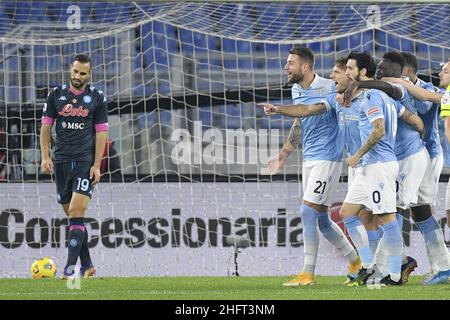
x=182, y=80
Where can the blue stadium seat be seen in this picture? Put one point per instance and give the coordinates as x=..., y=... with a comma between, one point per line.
x=269, y=47
x=111, y=89
x=142, y=89
x=165, y=117
x=22, y=13
x=423, y=63
x=39, y=60
x=407, y=45
x=286, y=30
x=2, y=95
x=315, y=47
x=393, y=42
x=421, y=50
x=274, y=63
x=381, y=37
x=343, y=43
x=99, y=11
x=328, y=46
x=233, y=116
x=284, y=50
x=436, y=52
x=228, y=45
x=13, y=94
x=56, y=12
x=212, y=42
x=12, y=63
x=355, y=41
x=328, y=62
x=97, y=60
x=206, y=117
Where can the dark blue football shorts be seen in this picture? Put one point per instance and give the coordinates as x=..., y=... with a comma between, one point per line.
x=72, y=176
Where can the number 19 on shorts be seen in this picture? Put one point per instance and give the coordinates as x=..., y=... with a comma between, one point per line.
x=83, y=184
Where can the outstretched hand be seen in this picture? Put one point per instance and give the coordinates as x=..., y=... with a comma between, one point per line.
x=269, y=109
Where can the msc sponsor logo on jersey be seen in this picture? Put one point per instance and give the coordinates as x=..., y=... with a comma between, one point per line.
x=72, y=125
x=87, y=99
x=69, y=111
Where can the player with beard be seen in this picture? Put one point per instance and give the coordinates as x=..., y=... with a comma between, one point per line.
x=80, y=114
x=322, y=162
x=328, y=132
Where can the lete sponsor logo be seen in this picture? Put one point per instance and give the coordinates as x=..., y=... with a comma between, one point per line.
x=70, y=111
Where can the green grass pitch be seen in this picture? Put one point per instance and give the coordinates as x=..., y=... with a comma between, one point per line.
x=213, y=288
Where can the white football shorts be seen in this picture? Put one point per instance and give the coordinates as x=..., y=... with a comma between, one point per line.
x=411, y=174
x=428, y=190
x=374, y=187
x=320, y=181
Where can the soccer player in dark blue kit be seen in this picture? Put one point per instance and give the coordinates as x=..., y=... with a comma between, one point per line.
x=80, y=114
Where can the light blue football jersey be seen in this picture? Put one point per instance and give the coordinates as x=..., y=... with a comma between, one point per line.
x=408, y=141
x=348, y=121
x=319, y=133
x=429, y=113
x=377, y=105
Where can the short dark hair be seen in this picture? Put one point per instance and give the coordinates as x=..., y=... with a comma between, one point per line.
x=304, y=53
x=83, y=58
x=364, y=60
x=394, y=57
x=341, y=63
x=410, y=60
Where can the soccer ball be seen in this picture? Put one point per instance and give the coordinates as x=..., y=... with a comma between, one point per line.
x=43, y=268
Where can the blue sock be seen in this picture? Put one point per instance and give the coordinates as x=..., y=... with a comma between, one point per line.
x=400, y=219
x=336, y=237
x=435, y=243
x=76, y=237
x=374, y=237
x=361, y=240
x=427, y=226
x=394, y=246
x=310, y=237
x=380, y=232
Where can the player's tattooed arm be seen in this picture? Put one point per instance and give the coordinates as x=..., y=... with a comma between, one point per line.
x=376, y=135
x=294, y=134
x=414, y=121
x=277, y=163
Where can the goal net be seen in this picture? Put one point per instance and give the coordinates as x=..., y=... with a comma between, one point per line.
x=187, y=167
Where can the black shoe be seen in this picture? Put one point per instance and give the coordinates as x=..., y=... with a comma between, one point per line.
x=387, y=281
x=361, y=278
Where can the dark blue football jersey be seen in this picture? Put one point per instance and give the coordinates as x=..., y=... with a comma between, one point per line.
x=77, y=116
